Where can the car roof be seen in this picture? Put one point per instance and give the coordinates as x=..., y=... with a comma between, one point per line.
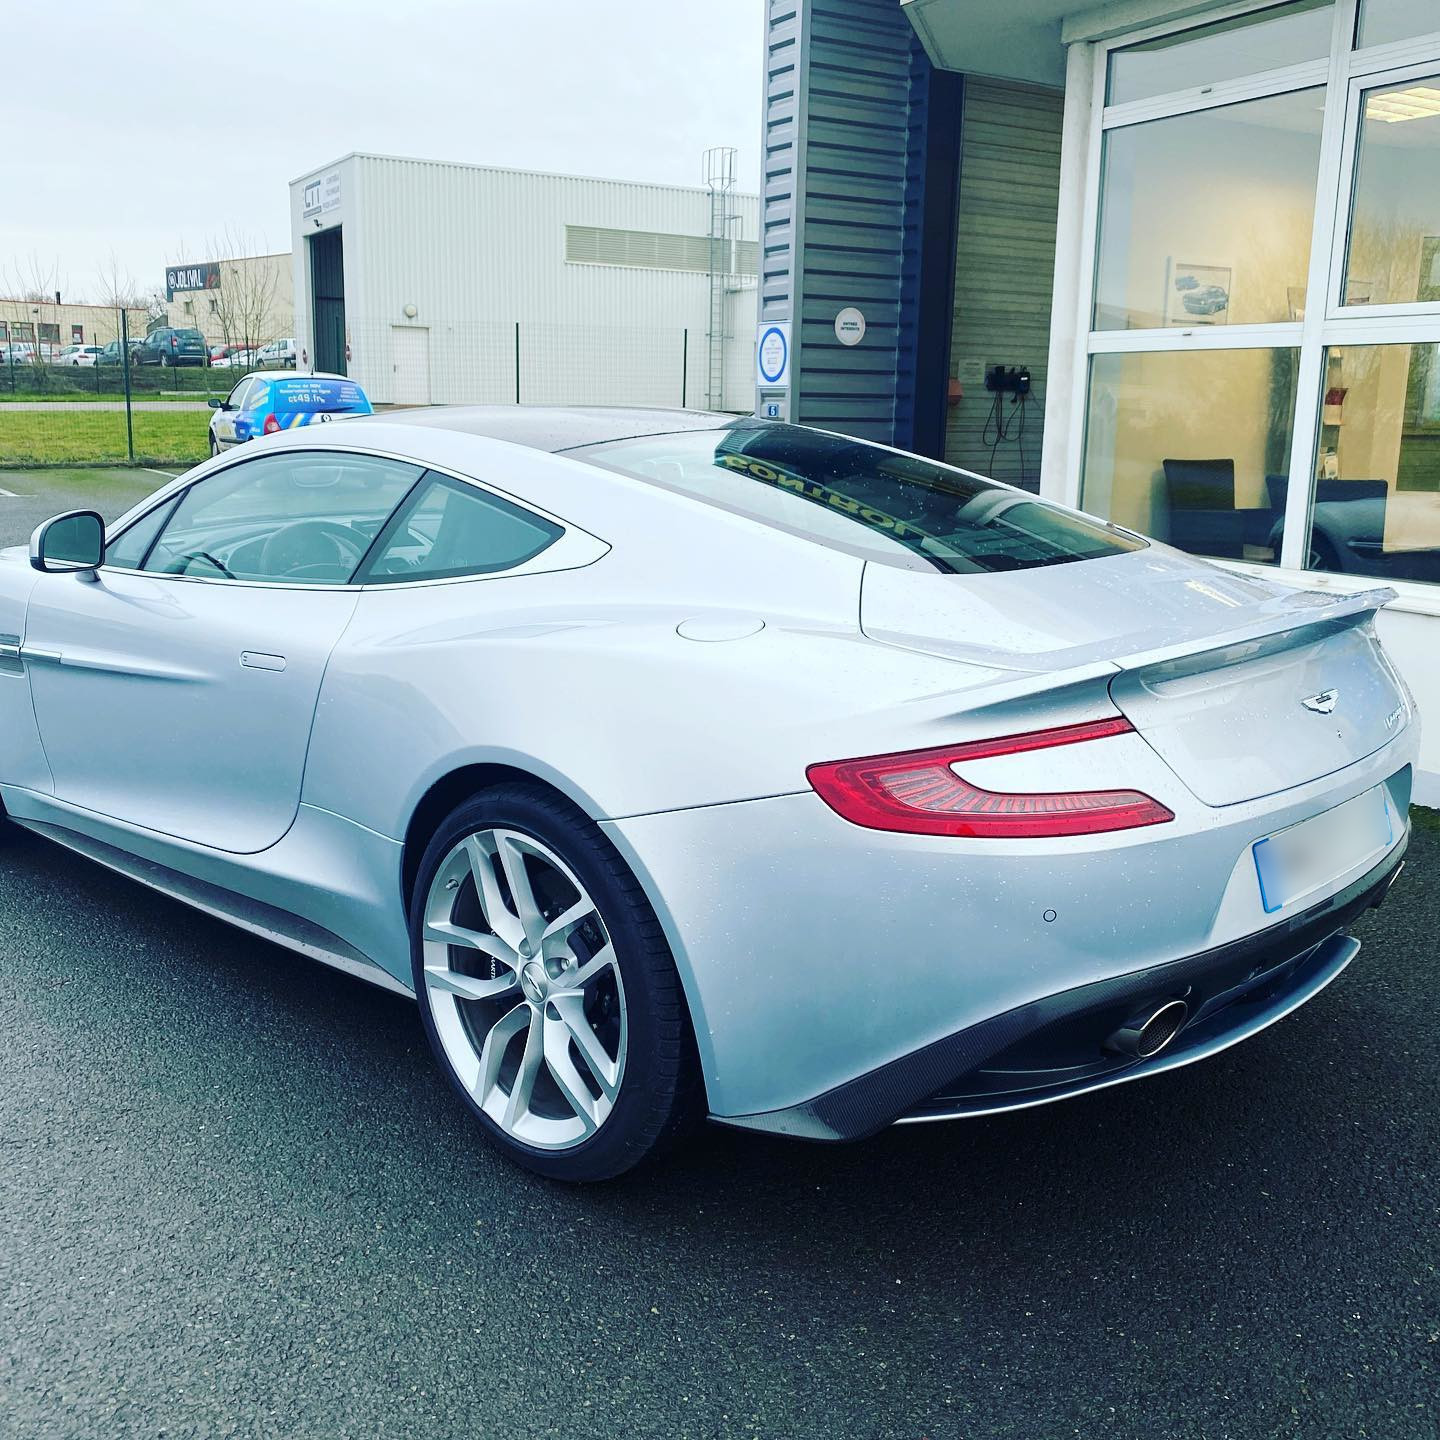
x=556, y=428
x=297, y=375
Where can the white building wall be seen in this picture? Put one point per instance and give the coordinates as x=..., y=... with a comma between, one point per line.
x=473, y=250
x=741, y=316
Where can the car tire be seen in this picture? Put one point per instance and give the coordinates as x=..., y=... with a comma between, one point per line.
x=214, y=448
x=642, y=1084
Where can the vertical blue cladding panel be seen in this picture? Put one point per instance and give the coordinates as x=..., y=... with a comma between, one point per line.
x=780, y=165
x=844, y=199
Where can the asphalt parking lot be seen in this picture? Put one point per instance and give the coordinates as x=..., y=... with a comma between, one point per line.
x=237, y=1200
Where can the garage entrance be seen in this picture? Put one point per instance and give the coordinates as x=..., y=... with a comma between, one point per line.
x=327, y=286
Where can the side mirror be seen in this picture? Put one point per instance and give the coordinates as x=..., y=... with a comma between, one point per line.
x=218, y=404
x=74, y=541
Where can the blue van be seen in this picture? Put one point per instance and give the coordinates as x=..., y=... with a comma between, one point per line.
x=261, y=404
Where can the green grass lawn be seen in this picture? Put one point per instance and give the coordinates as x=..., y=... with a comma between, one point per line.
x=38, y=437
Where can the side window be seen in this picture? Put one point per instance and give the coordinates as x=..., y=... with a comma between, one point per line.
x=128, y=551
x=448, y=528
x=298, y=519
x=238, y=395
x=257, y=395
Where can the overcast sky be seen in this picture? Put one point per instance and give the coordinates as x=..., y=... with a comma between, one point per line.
x=149, y=126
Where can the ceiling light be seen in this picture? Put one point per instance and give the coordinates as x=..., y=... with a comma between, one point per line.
x=1397, y=105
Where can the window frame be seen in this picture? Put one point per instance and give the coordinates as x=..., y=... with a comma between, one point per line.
x=1346, y=73
x=572, y=549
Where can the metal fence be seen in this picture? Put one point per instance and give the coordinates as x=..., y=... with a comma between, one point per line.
x=58, y=414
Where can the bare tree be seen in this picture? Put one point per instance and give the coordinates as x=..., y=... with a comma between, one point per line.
x=118, y=289
x=157, y=310
x=245, y=301
x=117, y=286
x=38, y=283
x=31, y=278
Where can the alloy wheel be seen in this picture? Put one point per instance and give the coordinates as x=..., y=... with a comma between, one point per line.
x=524, y=989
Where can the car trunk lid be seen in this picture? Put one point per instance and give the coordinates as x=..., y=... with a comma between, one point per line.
x=1262, y=714
x=1243, y=686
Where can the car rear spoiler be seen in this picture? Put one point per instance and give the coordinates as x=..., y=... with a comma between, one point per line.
x=1310, y=610
x=1030, y=699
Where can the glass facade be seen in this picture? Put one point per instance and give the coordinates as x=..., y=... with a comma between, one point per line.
x=1193, y=448
x=1384, y=21
x=1205, y=218
x=1377, y=490
x=1394, y=243
x=1263, y=352
x=1223, y=50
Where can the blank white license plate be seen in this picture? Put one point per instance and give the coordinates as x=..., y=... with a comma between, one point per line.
x=1296, y=861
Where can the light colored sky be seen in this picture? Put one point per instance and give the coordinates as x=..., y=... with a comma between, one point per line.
x=157, y=124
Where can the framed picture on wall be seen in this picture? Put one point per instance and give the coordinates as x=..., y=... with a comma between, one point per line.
x=1196, y=294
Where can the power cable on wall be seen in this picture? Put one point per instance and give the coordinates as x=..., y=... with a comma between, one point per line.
x=1005, y=425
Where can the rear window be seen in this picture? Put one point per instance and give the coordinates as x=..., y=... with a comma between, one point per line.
x=189, y=335
x=895, y=508
x=310, y=393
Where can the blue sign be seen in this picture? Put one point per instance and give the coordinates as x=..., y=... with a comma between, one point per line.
x=772, y=355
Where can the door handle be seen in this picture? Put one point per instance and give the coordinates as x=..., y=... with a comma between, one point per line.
x=259, y=660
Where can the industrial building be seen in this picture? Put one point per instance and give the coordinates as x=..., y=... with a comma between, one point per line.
x=243, y=300
x=432, y=282
x=1176, y=262
x=55, y=325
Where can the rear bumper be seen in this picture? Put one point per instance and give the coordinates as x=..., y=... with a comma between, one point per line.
x=1052, y=1048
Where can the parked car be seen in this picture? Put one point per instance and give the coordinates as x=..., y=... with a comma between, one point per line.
x=278, y=354
x=78, y=355
x=262, y=404
x=169, y=346
x=235, y=359
x=680, y=764
x=17, y=352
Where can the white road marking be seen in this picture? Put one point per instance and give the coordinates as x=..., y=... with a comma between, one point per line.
x=168, y=474
x=11, y=495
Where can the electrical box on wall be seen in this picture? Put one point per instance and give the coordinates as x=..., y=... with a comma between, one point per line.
x=1008, y=379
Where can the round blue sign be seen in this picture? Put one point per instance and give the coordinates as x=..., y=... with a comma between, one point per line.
x=774, y=355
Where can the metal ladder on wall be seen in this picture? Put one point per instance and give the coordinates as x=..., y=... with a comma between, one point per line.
x=719, y=171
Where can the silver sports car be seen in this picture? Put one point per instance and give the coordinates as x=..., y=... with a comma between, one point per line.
x=682, y=765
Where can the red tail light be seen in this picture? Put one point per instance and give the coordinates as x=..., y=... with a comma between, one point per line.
x=919, y=793
x=272, y=424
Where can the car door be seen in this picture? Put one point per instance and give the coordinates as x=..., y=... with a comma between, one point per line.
x=224, y=426
x=250, y=420
x=175, y=690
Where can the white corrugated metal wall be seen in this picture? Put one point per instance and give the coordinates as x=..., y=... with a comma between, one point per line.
x=473, y=250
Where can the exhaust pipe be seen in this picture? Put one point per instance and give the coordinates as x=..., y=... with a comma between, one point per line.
x=1148, y=1034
